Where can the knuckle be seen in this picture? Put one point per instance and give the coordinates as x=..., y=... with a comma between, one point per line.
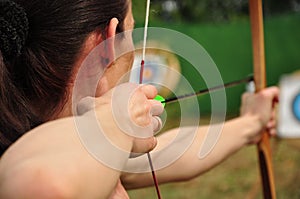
x=150, y=90
x=245, y=96
x=147, y=107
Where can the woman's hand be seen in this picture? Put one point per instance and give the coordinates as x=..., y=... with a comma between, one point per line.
x=131, y=111
x=144, y=112
x=261, y=107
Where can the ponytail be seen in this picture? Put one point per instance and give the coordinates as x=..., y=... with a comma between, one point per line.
x=14, y=114
x=14, y=118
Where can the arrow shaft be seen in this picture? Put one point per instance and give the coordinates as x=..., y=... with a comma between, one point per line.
x=207, y=90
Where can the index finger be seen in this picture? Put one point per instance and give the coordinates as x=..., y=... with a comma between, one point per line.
x=150, y=91
x=271, y=92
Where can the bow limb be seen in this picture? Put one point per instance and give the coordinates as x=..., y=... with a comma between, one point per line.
x=264, y=150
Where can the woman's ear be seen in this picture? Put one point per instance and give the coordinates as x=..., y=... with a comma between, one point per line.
x=110, y=39
x=105, y=43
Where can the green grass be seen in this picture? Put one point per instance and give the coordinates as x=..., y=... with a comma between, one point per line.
x=238, y=177
x=230, y=46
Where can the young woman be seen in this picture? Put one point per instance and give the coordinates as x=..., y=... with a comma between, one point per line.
x=43, y=45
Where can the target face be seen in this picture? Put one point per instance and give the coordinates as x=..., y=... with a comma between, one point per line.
x=296, y=107
x=156, y=63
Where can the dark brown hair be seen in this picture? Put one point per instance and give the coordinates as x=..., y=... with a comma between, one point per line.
x=33, y=84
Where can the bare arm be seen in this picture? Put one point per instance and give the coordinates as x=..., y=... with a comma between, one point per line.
x=256, y=114
x=232, y=139
x=50, y=162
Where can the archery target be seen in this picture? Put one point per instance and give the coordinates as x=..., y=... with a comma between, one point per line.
x=289, y=109
x=156, y=63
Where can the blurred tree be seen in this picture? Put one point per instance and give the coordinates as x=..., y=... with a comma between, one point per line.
x=217, y=10
x=272, y=7
x=202, y=10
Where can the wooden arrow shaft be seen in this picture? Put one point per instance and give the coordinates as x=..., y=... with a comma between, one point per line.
x=264, y=150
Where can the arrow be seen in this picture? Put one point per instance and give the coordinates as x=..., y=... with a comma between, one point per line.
x=207, y=90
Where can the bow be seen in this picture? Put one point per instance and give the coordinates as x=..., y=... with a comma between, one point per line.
x=264, y=150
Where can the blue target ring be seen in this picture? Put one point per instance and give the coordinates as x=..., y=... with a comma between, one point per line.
x=296, y=107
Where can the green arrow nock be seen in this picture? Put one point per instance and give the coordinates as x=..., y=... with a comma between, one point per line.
x=160, y=99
